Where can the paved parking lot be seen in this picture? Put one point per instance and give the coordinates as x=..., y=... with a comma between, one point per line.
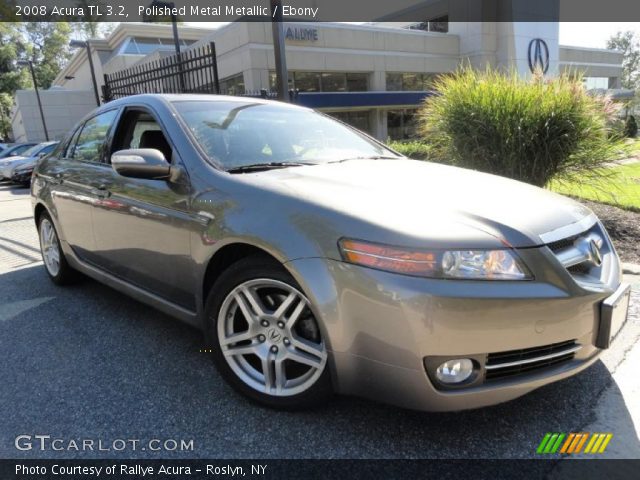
x=86, y=362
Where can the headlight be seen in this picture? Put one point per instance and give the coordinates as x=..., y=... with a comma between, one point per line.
x=460, y=264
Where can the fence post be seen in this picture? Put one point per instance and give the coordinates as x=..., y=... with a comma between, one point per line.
x=106, y=90
x=214, y=55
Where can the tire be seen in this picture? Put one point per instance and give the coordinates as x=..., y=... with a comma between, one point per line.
x=55, y=263
x=247, y=299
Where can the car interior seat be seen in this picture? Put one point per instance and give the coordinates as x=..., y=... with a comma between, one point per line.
x=155, y=139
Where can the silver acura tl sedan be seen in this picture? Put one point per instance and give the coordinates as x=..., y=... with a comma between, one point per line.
x=316, y=260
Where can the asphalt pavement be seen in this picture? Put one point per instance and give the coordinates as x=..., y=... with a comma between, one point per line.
x=88, y=363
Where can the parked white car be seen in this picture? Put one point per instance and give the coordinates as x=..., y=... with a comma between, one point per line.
x=32, y=155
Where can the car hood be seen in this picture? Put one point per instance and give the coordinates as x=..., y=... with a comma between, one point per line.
x=422, y=199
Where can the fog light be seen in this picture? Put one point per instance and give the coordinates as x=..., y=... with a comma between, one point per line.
x=454, y=371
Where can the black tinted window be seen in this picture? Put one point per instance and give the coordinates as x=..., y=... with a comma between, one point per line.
x=91, y=140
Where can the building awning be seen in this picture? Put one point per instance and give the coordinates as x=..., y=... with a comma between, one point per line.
x=359, y=99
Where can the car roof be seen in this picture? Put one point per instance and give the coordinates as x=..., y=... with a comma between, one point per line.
x=165, y=98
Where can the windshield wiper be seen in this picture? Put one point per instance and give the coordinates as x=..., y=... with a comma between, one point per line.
x=372, y=157
x=255, y=167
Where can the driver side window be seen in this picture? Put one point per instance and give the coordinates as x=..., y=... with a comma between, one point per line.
x=138, y=129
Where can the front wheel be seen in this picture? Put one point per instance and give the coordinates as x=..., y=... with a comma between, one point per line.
x=266, y=340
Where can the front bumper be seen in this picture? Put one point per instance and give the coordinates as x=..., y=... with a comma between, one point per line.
x=21, y=176
x=380, y=327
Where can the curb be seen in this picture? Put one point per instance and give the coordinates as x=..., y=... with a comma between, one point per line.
x=630, y=268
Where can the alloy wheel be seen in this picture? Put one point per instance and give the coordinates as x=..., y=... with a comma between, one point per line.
x=270, y=338
x=49, y=247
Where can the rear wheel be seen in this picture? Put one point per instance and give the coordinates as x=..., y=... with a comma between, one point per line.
x=266, y=340
x=54, y=260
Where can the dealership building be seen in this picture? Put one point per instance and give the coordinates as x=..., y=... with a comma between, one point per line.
x=373, y=76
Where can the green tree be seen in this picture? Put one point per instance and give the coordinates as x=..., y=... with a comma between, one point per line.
x=48, y=48
x=46, y=44
x=628, y=43
x=12, y=47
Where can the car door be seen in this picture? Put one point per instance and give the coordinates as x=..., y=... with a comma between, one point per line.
x=73, y=178
x=143, y=226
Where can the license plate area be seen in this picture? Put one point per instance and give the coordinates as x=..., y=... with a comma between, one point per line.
x=613, y=315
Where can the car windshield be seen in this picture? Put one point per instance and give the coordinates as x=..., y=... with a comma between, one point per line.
x=32, y=151
x=238, y=134
x=14, y=151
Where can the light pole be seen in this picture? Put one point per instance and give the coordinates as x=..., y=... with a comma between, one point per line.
x=176, y=39
x=85, y=44
x=29, y=63
x=282, y=77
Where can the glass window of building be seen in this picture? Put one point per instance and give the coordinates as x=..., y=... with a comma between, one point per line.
x=307, y=81
x=143, y=46
x=595, y=82
x=358, y=119
x=437, y=24
x=357, y=82
x=402, y=124
x=410, y=81
x=325, y=81
x=333, y=82
x=233, y=85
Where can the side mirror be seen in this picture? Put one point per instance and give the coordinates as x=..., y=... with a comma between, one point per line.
x=146, y=163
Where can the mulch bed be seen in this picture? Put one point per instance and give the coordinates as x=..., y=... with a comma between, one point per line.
x=623, y=227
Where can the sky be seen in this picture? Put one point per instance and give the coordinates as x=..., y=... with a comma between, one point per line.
x=594, y=34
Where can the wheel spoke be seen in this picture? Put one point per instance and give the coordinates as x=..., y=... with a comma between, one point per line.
x=284, y=306
x=299, y=356
x=307, y=347
x=268, y=372
x=280, y=375
x=239, y=350
x=295, y=315
x=249, y=316
x=237, y=337
x=254, y=301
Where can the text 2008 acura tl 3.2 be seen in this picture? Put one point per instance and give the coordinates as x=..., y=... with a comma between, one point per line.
x=317, y=260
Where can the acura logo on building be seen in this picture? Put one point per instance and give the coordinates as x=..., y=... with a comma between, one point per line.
x=538, y=55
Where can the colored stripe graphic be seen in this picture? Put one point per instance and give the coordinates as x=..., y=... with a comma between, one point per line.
x=573, y=443
x=582, y=441
x=543, y=443
x=567, y=443
x=606, y=442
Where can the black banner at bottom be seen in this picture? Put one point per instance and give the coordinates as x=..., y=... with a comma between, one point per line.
x=303, y=469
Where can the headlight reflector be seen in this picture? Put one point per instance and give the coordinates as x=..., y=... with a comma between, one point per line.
x=458, y=264
x=487, y=264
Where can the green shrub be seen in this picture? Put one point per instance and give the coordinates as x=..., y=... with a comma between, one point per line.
x=630, y=127
x=531, y=130
x=411, y=148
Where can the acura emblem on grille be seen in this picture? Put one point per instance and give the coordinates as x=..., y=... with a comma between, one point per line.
x=596, y=256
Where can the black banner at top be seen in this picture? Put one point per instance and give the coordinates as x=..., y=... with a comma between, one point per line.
x=321, y=11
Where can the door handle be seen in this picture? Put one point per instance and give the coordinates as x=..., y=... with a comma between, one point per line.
x=102, y=191
x=56, y=179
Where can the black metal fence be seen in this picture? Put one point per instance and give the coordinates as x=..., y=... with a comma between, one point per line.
x=193, y=71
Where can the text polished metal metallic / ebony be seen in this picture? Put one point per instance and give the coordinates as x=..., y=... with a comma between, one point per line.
x=316, y=260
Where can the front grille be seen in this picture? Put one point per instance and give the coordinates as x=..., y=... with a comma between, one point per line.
x=564, y=243
x=528, y=360
x=576, y=255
